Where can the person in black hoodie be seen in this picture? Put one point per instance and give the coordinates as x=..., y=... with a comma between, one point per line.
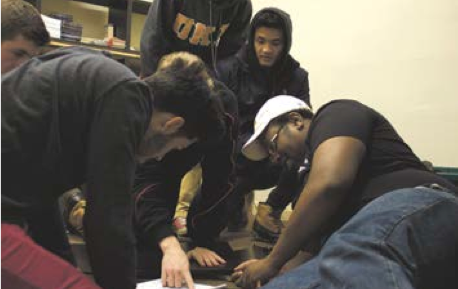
x=72, y=116
x=210, y=29
x=262, y=69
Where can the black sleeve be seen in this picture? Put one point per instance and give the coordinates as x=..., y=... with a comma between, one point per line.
x=237, y=32
x=341, y=118
x=287, y=189
x=301, y=87
x=154, y=210
x=154, y=42
x=120, y=121
x=157, y=188
x=208, y=217
x=227, y=73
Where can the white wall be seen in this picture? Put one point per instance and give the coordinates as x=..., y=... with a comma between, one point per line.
x=398, y=56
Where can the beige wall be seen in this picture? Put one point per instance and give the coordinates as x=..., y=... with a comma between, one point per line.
x=136, y=29
x=398, y=56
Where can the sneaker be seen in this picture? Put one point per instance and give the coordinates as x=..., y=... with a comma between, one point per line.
x=179, y=225
x=267, y=223
x=74, y=208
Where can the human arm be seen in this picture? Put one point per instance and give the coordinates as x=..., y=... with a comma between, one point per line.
x=301, y=86
x=207, y=216
x=228, y=72
x=336, y=146
x=156, y=194
x=334, y=167
x=304, y=255
x=175, y=264
x=205, y=257
x=154, y=42
x=118, y=125
x=237, y=32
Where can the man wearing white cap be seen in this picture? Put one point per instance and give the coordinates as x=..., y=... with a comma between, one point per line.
x=369, y=201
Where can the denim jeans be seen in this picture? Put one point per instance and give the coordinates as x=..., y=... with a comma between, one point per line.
x=404, y=239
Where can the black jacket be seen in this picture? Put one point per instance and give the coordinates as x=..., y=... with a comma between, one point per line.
x=68, y=117
x=254, y=85
x=182, y=25
x=158, y=184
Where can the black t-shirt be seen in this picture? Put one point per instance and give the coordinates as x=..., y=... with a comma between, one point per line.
x=389, y=163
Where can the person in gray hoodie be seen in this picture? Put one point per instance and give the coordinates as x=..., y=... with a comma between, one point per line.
x=262, y=69
x=210, y=29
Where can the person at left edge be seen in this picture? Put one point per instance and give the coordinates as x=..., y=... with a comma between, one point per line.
x=23, y=33
x=73, y=116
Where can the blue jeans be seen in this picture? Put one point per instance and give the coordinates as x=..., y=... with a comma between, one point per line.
x=404, y=239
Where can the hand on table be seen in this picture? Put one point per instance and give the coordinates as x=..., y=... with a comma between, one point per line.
x=205, y=257
x=175, y=267
x=253, y=273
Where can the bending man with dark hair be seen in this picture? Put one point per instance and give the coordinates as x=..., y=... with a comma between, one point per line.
x=23, y=33
x=73, y=116
x=157, y=189
x=262, y=69
x=157, y=183
x=380, y=218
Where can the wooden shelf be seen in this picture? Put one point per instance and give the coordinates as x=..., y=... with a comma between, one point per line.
x=114, y=51
x=138, y=6
x=119, y=14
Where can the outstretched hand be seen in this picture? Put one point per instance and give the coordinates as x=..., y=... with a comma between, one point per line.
x=175, y=268
x=206, y=257
x=253, y=273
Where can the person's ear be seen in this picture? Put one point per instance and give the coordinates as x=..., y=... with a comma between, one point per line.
x=296, y=119
x=173, y=124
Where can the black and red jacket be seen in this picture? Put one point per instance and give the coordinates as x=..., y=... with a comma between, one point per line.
x=157, y=184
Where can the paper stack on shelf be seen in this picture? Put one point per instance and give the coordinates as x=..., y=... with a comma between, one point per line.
x=70, y=31
x=52, y=25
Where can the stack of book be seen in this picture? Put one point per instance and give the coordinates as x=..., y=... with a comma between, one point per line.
x=70, y=30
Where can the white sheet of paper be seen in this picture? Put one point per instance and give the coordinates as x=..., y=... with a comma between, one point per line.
x=52, y=25
x=157, y=284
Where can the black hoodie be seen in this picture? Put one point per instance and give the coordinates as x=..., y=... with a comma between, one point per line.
x=157, y=185
x=181, y=25
x=253, y=84
x=68, y=117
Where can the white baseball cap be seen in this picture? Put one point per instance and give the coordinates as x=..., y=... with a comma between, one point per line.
x=273, y=108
